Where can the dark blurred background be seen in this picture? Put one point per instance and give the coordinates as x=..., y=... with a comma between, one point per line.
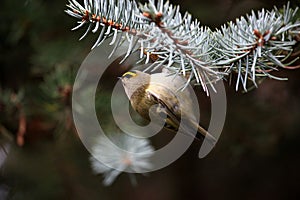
x=257, y=156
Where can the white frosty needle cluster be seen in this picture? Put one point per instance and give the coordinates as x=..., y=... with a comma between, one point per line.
x=123, y=153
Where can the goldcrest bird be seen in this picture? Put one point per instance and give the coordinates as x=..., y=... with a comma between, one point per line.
x=162, y=89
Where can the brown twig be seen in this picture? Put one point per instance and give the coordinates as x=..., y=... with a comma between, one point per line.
x=22, y=128
x=292, y=67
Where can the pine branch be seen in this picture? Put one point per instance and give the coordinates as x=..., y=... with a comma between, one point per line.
x=161, y=30
x=252, y=46
x=258, y=44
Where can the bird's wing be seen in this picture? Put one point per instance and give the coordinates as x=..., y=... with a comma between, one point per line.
x=171, y=107
x=169, y=104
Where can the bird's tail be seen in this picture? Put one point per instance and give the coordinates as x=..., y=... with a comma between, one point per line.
x=201, y=135
x=205, y=135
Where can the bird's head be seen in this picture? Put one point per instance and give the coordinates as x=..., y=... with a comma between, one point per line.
x=134, y=80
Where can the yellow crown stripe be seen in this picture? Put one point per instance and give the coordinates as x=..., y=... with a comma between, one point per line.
x=130, y=74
